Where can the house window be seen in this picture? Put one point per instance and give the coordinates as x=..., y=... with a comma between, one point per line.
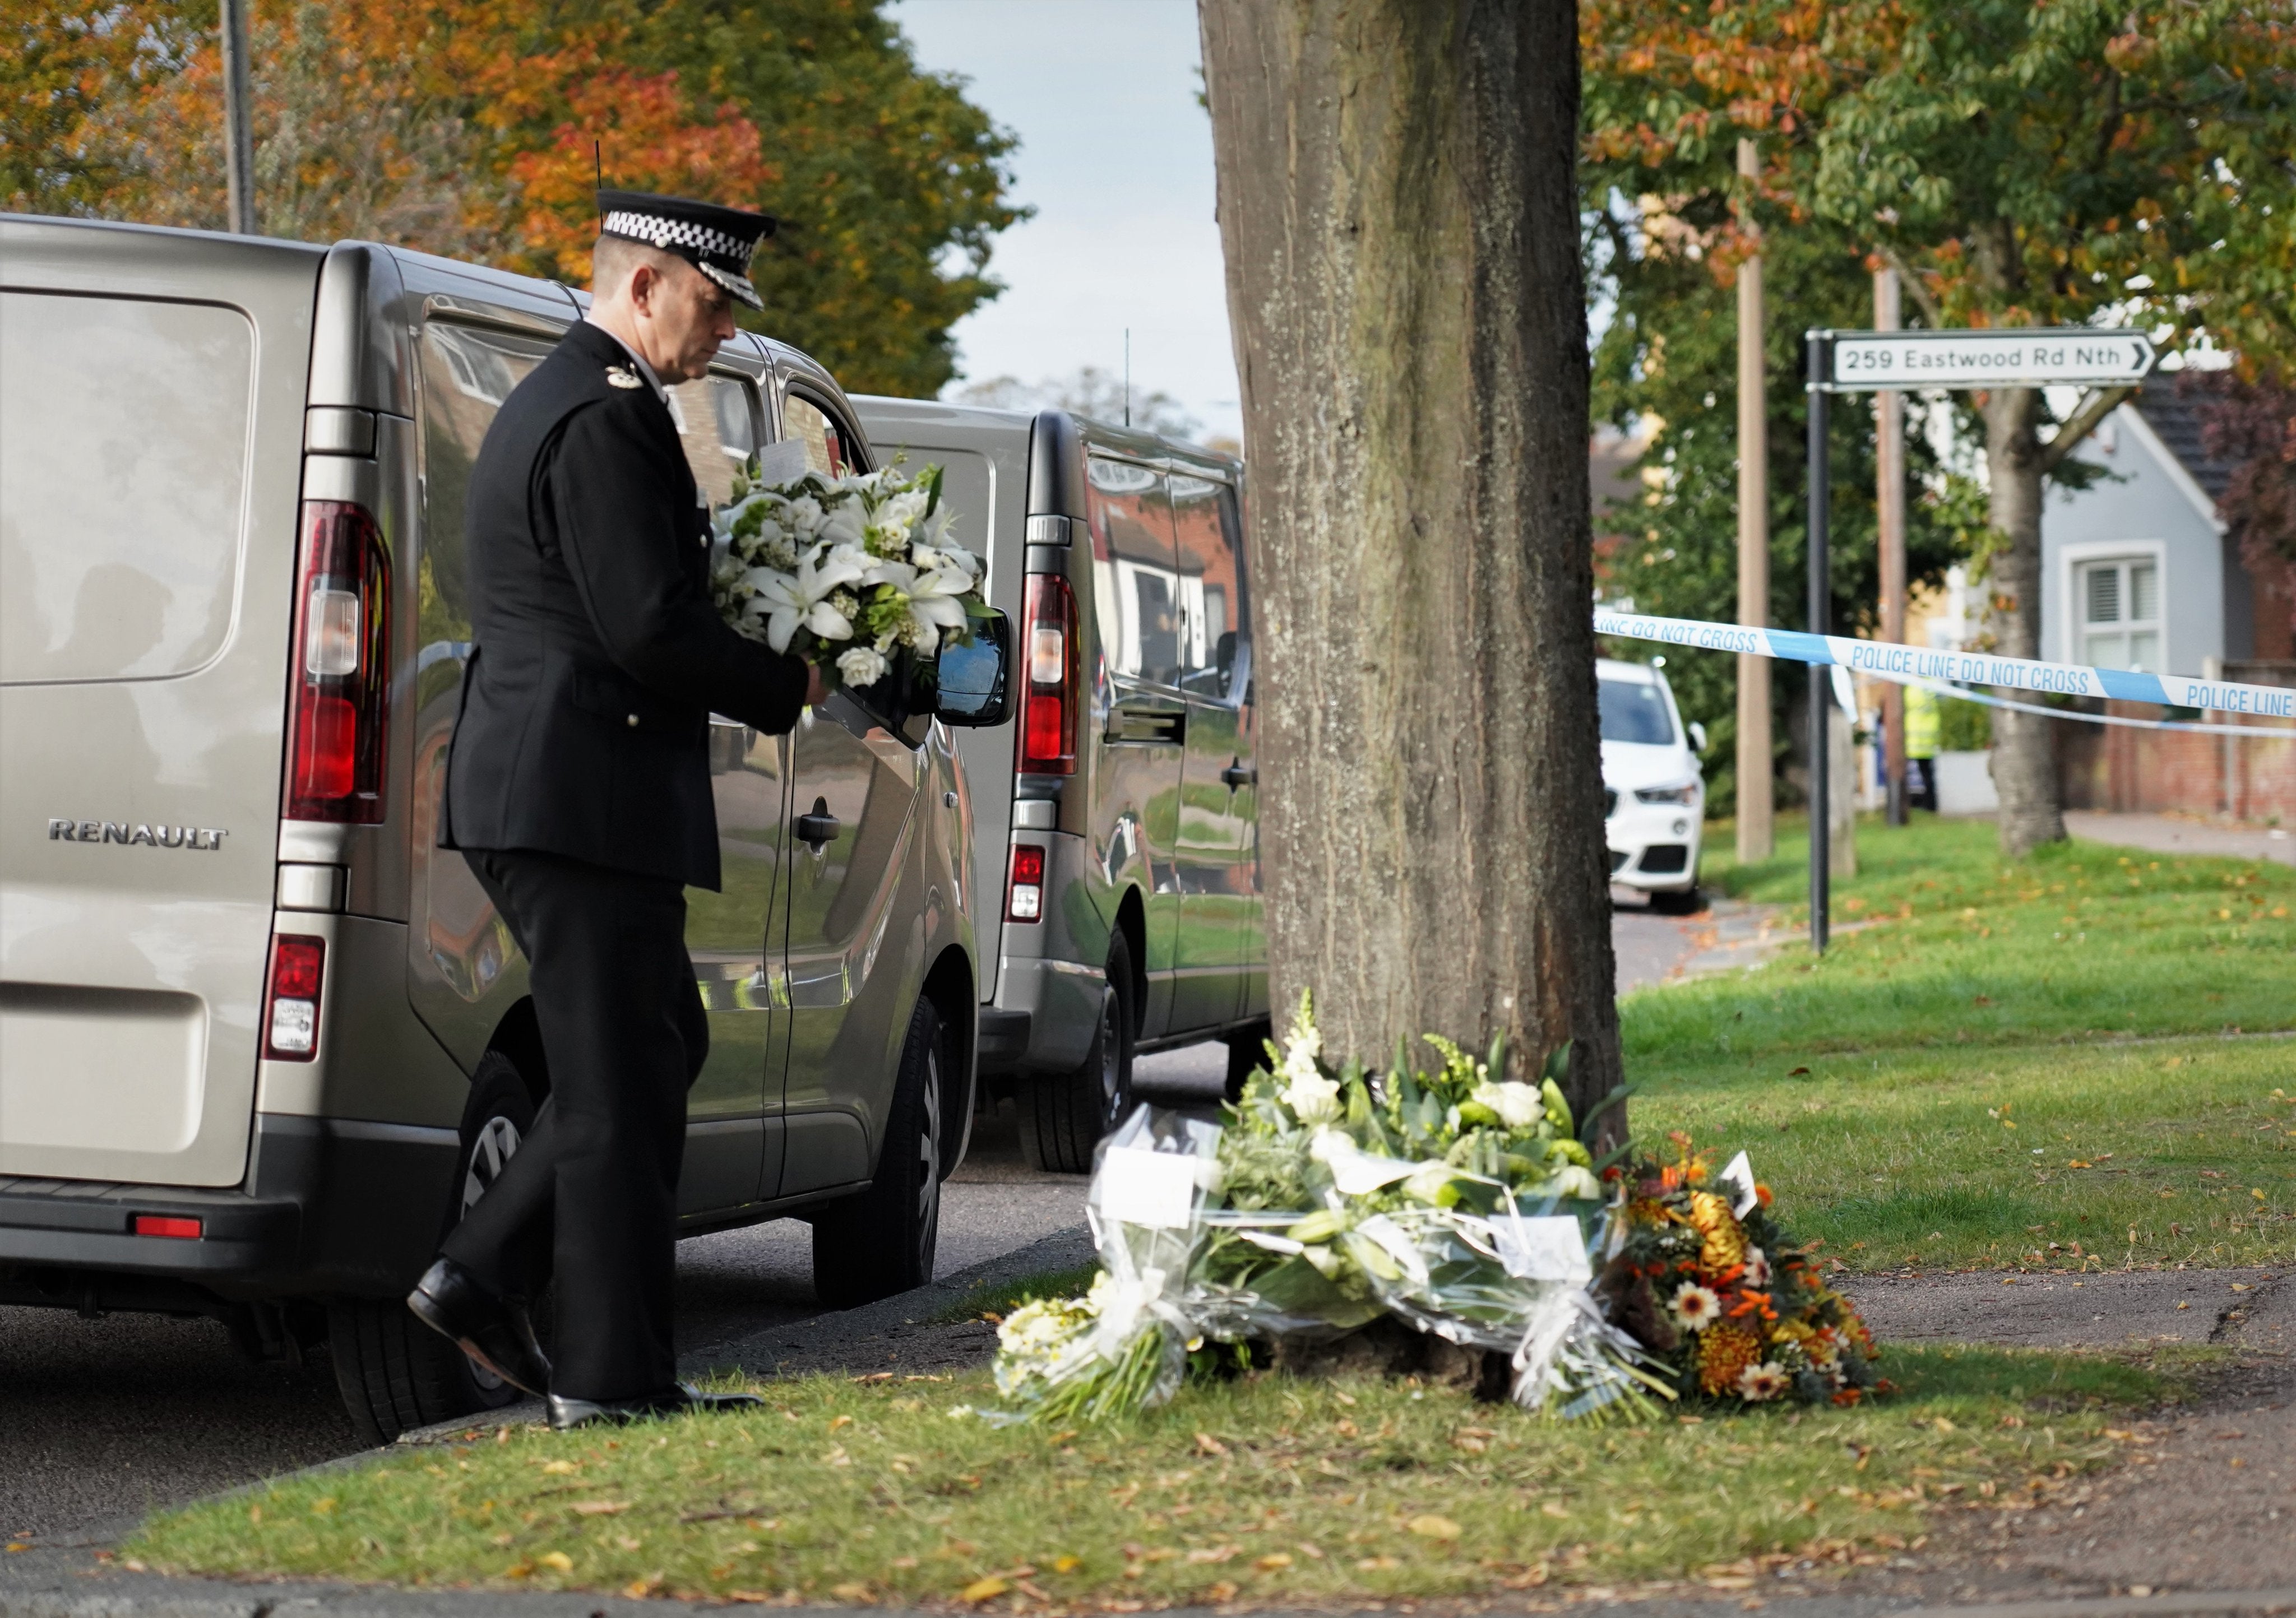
x=2121, y=614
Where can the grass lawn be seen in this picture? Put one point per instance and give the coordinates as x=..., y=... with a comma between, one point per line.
x=1267, y=1490
x=2006, y=1064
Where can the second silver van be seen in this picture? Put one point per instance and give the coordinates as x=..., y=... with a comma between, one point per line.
x=1117, y=818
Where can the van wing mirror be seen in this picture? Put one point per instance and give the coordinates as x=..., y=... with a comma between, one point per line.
x=1698, y=735
x=973, y=682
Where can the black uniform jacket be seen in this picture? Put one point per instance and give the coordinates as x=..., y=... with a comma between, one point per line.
x=598, y=654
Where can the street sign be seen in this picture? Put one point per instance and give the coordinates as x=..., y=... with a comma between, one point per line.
x=1869, y=362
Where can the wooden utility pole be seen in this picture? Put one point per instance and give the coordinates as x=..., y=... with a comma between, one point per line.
x=1756, y=837
x=1889, y=502
x=1398, y=203
x=238, y=128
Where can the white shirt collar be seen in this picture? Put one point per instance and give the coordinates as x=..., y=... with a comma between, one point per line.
x=637, y=359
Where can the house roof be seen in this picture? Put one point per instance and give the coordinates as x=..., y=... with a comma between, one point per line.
x=2174, y=405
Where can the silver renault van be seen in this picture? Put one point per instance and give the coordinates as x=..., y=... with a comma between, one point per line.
x=1120, y=811
x=260, y=1039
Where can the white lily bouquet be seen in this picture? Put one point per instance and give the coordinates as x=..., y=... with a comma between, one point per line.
x=846, y=571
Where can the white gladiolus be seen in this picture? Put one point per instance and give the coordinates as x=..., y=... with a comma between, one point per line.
x=1518, y=1106
x=1312, y=1097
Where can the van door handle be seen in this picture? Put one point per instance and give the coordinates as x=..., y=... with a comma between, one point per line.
x=1156, y=727
x=817, y=828
x=1240, y=774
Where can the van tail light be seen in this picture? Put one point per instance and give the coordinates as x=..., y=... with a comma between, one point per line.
x=169, y=1225
x=1027, y=903
x=342, y=676
x=1048, y=713
x=291, y=1011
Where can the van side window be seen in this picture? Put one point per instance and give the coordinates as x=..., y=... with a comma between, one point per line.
x=1139, y=591
x=1212, y=583
x=831, y=448
x=467, y=374
x=717, y=421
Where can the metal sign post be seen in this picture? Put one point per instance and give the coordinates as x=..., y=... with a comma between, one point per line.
x=1873, y=362
x=1821, y=614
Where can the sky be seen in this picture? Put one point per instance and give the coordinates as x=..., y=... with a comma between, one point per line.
x=1116, y=157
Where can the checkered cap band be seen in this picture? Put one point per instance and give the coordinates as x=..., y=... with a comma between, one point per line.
x=677, y=232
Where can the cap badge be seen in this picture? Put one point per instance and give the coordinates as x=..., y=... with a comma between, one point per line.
x=622, y=377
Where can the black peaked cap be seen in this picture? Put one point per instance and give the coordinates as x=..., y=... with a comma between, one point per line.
x=716, y=240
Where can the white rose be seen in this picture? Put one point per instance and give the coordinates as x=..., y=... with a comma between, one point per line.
x=860, y=666
x=1518, y=1106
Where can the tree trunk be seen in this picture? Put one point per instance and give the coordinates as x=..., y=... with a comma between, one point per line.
x=1399, y=207
x=2024, y=745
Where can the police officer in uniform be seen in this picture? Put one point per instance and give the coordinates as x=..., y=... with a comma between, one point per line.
x=579, y=790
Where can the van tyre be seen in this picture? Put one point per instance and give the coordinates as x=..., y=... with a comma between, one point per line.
x=1062, y=1118
x=395, y=1373
x=1688, y=902
x=882, y=1242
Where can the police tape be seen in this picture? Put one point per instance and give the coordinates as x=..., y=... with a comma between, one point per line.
x=1946, y=671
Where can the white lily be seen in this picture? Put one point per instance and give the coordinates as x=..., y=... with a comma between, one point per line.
x=792, y=600
x=931, y=601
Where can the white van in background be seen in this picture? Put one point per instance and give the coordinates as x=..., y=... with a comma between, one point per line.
x=1654, y=793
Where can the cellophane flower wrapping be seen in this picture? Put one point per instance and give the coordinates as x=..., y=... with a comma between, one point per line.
x=1708, y=1281
x=852, y=571
x=1457, y=1200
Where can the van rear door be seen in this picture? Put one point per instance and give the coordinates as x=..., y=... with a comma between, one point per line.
x=151, y=393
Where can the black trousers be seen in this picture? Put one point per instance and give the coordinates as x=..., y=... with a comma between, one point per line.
x=595, y=1183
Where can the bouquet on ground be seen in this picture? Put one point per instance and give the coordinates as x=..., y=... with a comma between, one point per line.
x=849, y=572
x=1459, y=1201
x=1708, y=1281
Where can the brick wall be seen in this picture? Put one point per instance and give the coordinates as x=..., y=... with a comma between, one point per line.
x=2111, y=767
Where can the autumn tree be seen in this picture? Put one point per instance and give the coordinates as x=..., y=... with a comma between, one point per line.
x=1666, y=367
x=2251, y=426
x=472, y=128
x=1399, y=209
x=2020, y=163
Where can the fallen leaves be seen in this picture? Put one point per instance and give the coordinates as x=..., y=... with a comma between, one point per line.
x=1206, y=1444
x=598, y=1507
x=984, y=1589
x=1429, y=1526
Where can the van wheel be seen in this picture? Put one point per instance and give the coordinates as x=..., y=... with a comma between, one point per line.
x=882, y=1242
x=395, y=1373
x=1064, y=1118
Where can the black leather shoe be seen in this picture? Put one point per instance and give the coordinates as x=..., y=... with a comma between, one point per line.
x=567, y=1412
x=493, y=1332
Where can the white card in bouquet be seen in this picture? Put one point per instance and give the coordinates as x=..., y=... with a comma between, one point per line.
x=1156, y=1189
x=1738, y=1175
x=1550, y=1248
x=782, y=462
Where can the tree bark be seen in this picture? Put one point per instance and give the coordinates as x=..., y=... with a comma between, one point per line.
x=2024, y=745
x=1398, y=207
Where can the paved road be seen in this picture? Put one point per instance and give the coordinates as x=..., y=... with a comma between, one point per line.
x=101, y=1419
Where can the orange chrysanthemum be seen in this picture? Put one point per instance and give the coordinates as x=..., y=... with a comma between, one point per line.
x=1724, y=1351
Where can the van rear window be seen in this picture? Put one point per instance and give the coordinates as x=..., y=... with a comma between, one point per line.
x=123, y=476
x=1633, y=711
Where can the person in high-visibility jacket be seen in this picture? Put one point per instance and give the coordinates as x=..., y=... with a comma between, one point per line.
x=1922, y=725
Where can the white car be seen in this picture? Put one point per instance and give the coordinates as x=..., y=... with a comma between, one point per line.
x=1654, y=794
